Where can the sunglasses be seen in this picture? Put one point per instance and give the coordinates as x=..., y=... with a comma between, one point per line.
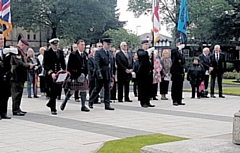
x=99, y=46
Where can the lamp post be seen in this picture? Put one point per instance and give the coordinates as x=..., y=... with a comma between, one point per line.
x=137, y=29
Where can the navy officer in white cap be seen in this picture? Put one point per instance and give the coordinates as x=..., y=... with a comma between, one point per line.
x=53, y=62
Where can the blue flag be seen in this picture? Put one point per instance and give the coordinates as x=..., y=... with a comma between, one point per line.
x=183, y=21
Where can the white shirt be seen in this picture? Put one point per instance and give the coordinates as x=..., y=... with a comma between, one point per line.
x=40, y=58
x=1, y=53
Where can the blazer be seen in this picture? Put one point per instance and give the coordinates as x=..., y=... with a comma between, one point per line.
x=91, y=68
x=219, y=67
x=178, y=62
x=77, y=64
x=104, y=65
x=124, y=63
x=5, y=67
x=166, y=69
x=205, y=61
x=19, y=66
x=145, y=66
x=51, y=63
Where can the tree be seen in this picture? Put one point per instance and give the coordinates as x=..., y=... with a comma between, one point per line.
x=121, y=35
x=203, y=14
x=71, y=19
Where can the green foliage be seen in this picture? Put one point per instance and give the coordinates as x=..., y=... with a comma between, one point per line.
x=229, y=67
x=121, y=35
x=210, y=20
x=231, y=75
x=134, y=144
x=71, y=19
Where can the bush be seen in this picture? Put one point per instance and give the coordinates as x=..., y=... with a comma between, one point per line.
x=229, y=67
x=231, y=75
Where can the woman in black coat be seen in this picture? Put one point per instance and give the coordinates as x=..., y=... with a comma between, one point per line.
x=195, y=76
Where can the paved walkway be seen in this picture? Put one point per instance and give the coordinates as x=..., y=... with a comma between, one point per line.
x=73, y=131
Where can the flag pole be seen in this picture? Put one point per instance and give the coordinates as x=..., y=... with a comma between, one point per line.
x=152, y=31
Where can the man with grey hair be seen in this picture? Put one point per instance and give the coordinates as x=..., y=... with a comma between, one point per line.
x=124, y=62
x=217, y=68
x=205, y=61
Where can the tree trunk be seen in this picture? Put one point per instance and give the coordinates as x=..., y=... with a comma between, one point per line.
x=54, y=33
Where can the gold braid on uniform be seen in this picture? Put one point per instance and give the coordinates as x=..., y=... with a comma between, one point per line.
x=50, y=71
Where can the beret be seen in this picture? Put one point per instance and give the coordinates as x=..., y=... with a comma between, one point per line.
x=24, y=41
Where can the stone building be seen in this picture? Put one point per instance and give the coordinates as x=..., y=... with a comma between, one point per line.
x=35, y=39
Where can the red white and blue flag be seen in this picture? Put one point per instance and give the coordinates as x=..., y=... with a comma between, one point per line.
x=5, y=17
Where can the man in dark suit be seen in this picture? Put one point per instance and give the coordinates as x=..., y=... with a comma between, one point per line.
x=91, y=73
x=5, y=87
x=104, y=73
x=145, y=75
x=218, y=67
x=125, y=64
x=78, y=68
x=205, y=61
x=177, y=72
x=53, y=62
x=19, y=68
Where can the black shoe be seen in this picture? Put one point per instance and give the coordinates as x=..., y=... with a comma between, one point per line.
x=212, y=96
x=128, y=100
x=85, y=109
x=154, y=98
x=77, y=100
x=62, y=107
x=192, y=97
x=175, y=104
x=109, y=108
x=221, y=96
x=29, y=96
x=54, y=112
x=120, y=101
x=90, y=105
x=198, y=97
x=181, y=103
x=36, y=97
x=23, y=112
x=150, y=105
x=5, y=117
x=18, y=114
x=144, y=106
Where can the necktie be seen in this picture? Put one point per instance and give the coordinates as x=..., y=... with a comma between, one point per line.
x=126, y=54
x=217, y=57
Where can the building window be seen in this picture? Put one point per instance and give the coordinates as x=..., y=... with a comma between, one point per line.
x=28, y=36
x=34, y=37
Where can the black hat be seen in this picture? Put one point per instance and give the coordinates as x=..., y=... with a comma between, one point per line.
x=145, y=41
x=178, y=40
x=196, y=58
x=54, y=41
x=107, y=40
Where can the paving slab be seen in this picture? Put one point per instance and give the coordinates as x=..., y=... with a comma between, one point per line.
x=75, y=131
x=194, y=146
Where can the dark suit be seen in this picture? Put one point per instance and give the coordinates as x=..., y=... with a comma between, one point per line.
x=205, y=61
x=124, y=62
x=104, y=73
x=114, y=88
x=144, y=77
x=5, y=87
x=177, y=72
x=219, y=67
x=91, y=75
x=19, y=68
x=53, y=62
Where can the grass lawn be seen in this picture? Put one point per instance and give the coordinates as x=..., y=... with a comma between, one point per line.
x=230, y=81
x=226, y=90
x=134, y=144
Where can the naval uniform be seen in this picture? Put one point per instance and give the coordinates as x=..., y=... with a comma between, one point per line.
x=53, y=62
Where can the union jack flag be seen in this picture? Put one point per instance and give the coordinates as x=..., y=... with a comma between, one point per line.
x=5, y=19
